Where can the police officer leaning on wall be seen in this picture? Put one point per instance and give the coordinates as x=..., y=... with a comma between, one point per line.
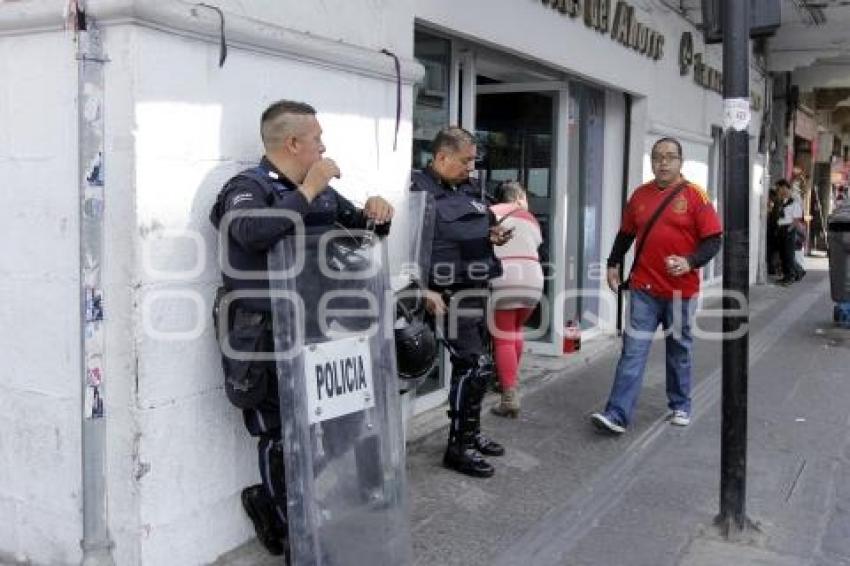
x=293, y=176
x=462, y=263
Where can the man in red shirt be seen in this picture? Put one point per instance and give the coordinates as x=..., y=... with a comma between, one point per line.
x=664, y=283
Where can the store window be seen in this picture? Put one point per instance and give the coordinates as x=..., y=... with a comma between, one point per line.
x=430, y=115
x=431, y=95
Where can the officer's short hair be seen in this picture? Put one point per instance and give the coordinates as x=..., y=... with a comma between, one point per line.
x=276, y=123
x=509, y=191
x=451, y=139
x=782, y=184
x=674, y=141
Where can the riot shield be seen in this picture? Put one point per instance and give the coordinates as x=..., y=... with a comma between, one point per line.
x=416, y=347
x=340, y=411
x=410, y=247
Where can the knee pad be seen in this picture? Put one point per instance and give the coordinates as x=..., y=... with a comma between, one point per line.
x=478, y=387
x=470, y=386
x=486, y=367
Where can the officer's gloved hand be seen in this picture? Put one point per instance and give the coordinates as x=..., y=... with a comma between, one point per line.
x=379, y=210
x=434, y=303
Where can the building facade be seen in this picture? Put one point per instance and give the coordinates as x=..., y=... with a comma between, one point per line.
x=565, y=96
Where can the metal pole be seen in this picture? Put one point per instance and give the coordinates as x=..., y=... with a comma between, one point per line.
x=766, y=182
x=733, y=459
x=96, y=544
x=624, y=196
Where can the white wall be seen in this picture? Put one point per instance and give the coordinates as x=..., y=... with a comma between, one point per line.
x=40, y=518
x=125, y=463
x=194, y=129
x=370, y=24
x=177, y=127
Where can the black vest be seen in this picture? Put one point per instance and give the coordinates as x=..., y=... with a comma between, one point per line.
x=320, y=217
x=461, y=255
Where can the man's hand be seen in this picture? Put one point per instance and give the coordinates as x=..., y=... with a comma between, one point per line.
x=434, y=302
x=318, y=177
x=499, y=235
x=613, y=276
x=677, y=265
x=379, y=210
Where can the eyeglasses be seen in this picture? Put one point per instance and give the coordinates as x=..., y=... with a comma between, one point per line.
x=667, y=158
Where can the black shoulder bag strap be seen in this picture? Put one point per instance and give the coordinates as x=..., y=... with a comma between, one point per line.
x=624, y=286
x=649, y=225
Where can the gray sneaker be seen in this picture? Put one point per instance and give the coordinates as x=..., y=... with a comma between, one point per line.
x=607, y=423
x=679, y=418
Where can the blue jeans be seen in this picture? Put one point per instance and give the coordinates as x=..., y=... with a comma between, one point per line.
x=646, y=312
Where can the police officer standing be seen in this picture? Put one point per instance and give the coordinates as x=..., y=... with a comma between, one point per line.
x=461, y=265
x=291, y=178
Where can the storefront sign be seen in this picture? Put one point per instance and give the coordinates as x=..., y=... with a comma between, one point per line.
x=705, y=75
x=623, y=26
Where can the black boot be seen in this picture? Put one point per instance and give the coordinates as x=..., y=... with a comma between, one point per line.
x=488, y=446
x=461, y=454
x=467, y=461
x=260, y=509
x=483, y=443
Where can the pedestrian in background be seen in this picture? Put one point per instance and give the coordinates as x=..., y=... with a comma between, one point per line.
x=789, y=219
x=516, y=292
x=774, y=211
x=677, y=231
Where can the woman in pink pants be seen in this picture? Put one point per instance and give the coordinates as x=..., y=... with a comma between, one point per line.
x=517, y=292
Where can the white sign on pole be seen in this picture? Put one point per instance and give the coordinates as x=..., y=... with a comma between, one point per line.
x=736, y=113
x=339, y=378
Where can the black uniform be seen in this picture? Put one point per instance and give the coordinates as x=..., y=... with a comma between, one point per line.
x=252, y=385
x=773, y=247
x=462, y=259
x=791, y=270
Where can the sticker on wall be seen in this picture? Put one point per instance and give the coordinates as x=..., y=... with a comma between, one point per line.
x=94, y=97
x=94, y=376
x=93, y=404
x=94, y=173
x=93, y=207
x=94, y=304
x=736, y=113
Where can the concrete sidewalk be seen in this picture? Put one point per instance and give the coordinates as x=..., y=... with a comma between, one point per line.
x=567, y=495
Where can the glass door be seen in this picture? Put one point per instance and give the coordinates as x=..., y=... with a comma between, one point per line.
x=586, y=130
x=516, y=141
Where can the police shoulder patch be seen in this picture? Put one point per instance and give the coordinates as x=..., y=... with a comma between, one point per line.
x=242, y=196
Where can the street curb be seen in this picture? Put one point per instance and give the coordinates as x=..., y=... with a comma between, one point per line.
x=561, y=529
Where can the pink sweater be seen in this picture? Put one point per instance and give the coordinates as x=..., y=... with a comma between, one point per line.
x=521, y=284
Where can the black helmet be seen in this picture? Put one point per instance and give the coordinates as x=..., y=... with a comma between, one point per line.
x=415, y=343
x=348, y=254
